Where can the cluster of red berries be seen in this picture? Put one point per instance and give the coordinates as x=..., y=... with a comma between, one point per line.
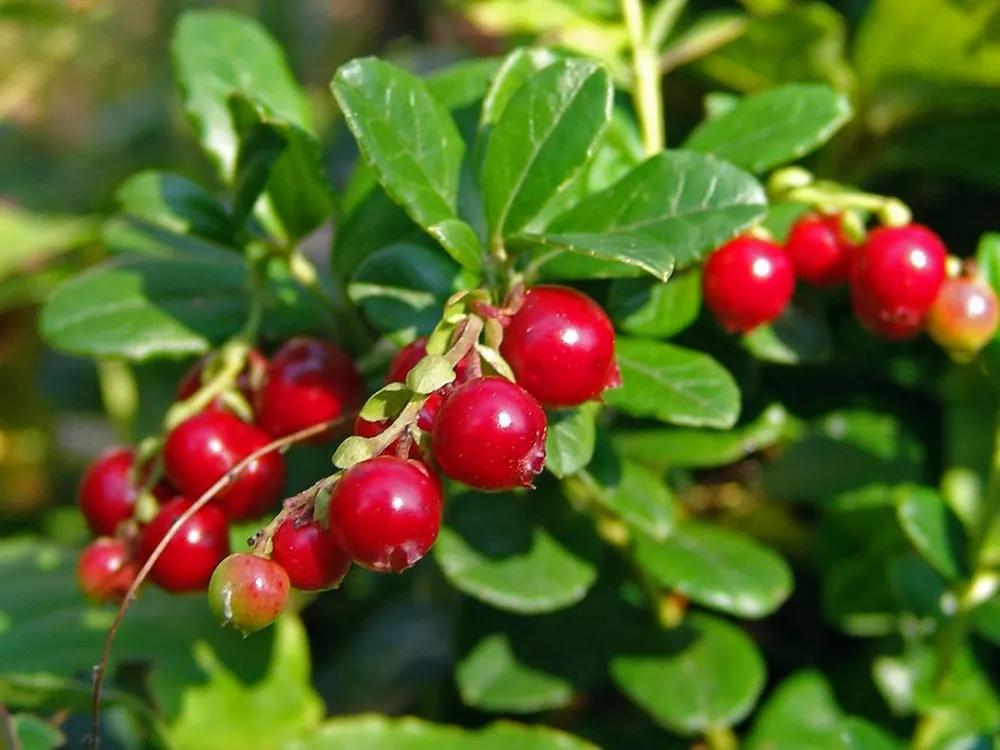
x=899, y=281
x=384, y=511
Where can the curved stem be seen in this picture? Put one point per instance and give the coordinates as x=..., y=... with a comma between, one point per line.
x=647, y=92
x=721, y=738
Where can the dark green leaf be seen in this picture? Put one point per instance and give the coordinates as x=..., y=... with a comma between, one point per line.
x=569, y=445
x=177, y=204
x=463, y=84
x=717, y=568
x=514, y=72
x=688, y=203
x=799, y=335
x=649, y=254
x=801, y=713
x=674, y=385
x=934, y=530
x=704, y=449
x=35, y=733
x=705, y=673
x=919, y=589
x=635, y=494
x=218, y=53
x=407, y=137
x=125, y=234
x=774, y=127
x=461, y=242
x=545, y=135
x=986, y=620
x=32, y=238
x=140, y=307
x=651, y=309
x=859, y=734
x=404, y=287
x=522, y=553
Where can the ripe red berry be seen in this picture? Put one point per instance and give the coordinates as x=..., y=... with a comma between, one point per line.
x=425, y=421
x=490, y=434
x=191, y=555
x=386, y=513
x=203, y=448
x=747, y=282
x=248, y=381
x=407, y=357
x=561, y=346
x=309, y=554
x=105, y=571
x=898, y=326
x=108, y=491
x=895, y=277
x=248, y=591
x=309, y=381
x=819, y=250
x=964, y=316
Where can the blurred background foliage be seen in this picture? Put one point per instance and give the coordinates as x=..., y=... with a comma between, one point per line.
x=87, y=98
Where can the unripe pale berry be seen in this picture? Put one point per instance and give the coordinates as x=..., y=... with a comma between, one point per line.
x=248, y=591
x=964, y=316
x=105, y=571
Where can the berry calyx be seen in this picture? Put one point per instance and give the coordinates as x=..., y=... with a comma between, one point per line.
x=105, y=571
x=819, y=250
x=490, y=435
x=964, y=316
x=200, y=450
x=560, y=344
x=747, y=282
x=191, y=555
x=108, y=491
x=310, y=381
x=386, y=513
x=248, y=591
x=247, y=382
x=309, y=554
x=895, y=277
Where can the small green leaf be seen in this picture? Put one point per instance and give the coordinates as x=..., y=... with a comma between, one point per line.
x=407, y=137
x=686, y=202
x=431, y=373
x=705, y=673
x=352, y=451
x=177, y=204
x=34, y=733
x=674, y=385
x=569, y=444
x=32, y=238
x=774, y=127
x=514, y=72
x=522, y=553
x=402, y=288
x=461, y=242
x=800, y=335
x=717, y=568
x=801, y=713
x=386, y=402
x=935, y=531
x=546, y=134
x=218, y=53
x=635, y=494
x=651, y=255
x=651, y=309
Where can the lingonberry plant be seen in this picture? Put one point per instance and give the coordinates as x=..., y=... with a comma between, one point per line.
x=636, y=437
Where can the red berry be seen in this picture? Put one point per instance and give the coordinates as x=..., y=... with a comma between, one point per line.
x=819, y=250
x=425, y=421
x=964, y=316
x=561, y=346
x=248, y=381
x=896, y=274
x=108, y=491
x=203, y=448
x=386, y=513
x=747, y=282
x=310, y=555
x=490, y=434
x=192, y=553
x=407, y=358
x=898, y=326
x=310, y=381
x=248, y=591
x=105, y=570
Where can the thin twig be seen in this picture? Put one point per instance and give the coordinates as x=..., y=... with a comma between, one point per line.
x=200, y=503
x=7, y=733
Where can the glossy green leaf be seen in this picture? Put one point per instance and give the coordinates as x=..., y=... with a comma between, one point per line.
x=652, y=309
x=802, y=712
x=463, y=84
x=525, y=554
x=800, y=335
x=986, y=620
x=34, y=733
x=918, y=588
x=514, y=72
x=404, y=288
x=461, y=242
x=705, y=673
x=545, y=135
x=704, y=449
x=717, y=568
x=674, y=385
x=774, y=127
x=140, y=307
x=174, y=202
x=935, y=531
x=32, y=238
x=635, y=494
x=373, y=732
x=226, y=713
x=646, y=253
x=569, y=444
x=217, y=53
x=688, y=203
x=407, y=137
